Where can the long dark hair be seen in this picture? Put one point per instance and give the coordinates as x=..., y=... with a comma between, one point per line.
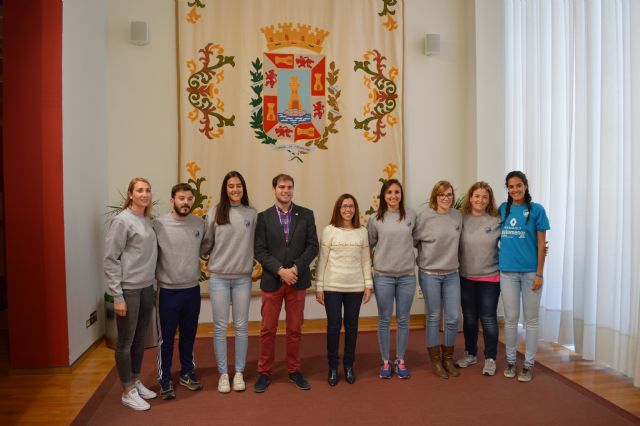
x=527, y=197
x=336, y=218
x=222, y=210
x=382, y=208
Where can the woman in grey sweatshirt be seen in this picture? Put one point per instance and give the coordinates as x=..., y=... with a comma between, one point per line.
x=228, y=241
x=394, y=280
x=479, y=275
x=129, y=266
x=437, y=237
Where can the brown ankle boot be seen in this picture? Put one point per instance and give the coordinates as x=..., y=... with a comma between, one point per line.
x=436, y=362
x=447, y=361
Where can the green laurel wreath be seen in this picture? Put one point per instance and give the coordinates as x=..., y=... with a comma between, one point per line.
x=256, y=116
x=332, y=101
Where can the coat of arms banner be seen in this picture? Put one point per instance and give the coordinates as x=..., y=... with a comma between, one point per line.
x=311, y=88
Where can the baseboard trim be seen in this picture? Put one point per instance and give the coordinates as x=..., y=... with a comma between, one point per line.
x=313, y=326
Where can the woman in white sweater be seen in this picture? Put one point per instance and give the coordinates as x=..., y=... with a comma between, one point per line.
x=343, y=280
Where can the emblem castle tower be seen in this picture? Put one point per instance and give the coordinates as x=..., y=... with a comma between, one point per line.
x=294, y=97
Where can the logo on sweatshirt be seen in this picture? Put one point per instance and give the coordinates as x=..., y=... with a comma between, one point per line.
x=409, y=224
x=197, y=234
x=513, y=222
x=487, y=230
x=457, y=227
x=247, y=223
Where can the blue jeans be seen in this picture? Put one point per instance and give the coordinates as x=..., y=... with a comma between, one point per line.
x=441, y=290
x=513, y=286
x=237, y=292
x=480, y=302
x=387, y=289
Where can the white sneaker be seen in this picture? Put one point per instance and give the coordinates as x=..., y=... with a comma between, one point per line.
x=526, y=374
x=489, y=368
x=238, y=382
x=133, y=400
x=466, y=360
x=143, y=391
x=223, y=384
x=510, y=371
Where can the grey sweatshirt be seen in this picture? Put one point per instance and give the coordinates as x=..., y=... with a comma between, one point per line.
x=437, y=237
x=130, y=254
x=479, y=246
x=392, y=243
x=230, y=246
x=178, y=250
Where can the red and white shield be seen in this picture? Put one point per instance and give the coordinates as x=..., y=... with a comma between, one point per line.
x=294, y=96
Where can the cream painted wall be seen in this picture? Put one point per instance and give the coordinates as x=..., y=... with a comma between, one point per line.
x=142, y=98
x=84, y=129
x=439, y=105
x=490, y=109
x=436, y=98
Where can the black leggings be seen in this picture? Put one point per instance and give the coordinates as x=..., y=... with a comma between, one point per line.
x=333, y=304
x=132, y=331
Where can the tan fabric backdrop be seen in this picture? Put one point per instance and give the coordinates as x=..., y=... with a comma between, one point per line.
x=308, y=88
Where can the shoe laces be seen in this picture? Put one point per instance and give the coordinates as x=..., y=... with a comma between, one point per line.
x=386, y=366
x=400, y=365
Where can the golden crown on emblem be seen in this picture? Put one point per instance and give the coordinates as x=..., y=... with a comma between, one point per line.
x=300, y=36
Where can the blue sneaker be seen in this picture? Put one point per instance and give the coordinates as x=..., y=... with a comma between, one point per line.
x=401, y=369
x=385, y=371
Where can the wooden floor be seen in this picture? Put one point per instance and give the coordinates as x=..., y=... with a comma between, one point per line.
x=56, y=396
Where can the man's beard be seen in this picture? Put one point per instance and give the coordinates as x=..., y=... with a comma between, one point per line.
x=178, y=211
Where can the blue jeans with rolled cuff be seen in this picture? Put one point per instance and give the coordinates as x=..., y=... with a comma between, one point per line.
x=480, y=303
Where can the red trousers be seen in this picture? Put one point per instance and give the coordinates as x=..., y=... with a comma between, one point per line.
x=271, y=307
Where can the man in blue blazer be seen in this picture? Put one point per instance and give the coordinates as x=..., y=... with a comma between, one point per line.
x=285, y=244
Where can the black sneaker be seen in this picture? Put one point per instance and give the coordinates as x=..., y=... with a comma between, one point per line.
x=166, y=390
x=298, y=379
x=262, y=383
x=190, y=380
